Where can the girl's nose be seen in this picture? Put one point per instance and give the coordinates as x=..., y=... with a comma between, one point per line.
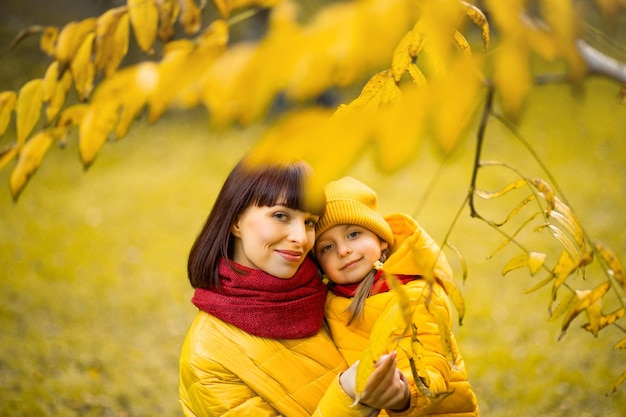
x=344, y=250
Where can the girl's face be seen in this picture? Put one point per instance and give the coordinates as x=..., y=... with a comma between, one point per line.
x=273, y=239
x=347, y=253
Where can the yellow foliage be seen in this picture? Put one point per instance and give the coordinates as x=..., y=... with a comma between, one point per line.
x=83, y=69
x=111, y=40
x=144, y=18
x=48, y=39
x=70, y=39
x=55, y=90
x=29, y=102
x=8, y=101
x=169, y=10
x=190, y=16
x=30, y=157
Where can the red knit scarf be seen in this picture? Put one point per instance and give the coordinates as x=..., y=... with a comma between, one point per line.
x=266, y=306
x=380, y=285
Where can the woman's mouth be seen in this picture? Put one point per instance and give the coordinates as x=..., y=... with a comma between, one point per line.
x=291, y=256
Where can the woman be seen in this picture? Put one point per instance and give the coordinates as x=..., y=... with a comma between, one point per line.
x=257, y=346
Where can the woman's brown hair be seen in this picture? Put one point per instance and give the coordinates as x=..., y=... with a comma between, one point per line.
x=262, y=184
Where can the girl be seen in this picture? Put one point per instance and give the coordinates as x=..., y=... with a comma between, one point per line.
x=356, y=248
x=257, y=346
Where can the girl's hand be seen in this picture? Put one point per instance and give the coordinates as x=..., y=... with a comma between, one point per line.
x=387, y=387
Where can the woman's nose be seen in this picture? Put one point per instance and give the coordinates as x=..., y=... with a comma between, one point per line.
x=298, y=234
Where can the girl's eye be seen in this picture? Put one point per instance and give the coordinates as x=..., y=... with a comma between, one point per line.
x=325, y=248
x=353, y=234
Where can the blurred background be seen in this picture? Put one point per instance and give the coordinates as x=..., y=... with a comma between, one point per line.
x=94, y=297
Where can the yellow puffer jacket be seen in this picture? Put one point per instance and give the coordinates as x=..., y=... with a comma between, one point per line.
x=225, y=371
x=415, y=253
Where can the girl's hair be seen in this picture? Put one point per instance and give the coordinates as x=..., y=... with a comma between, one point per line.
x=355, y=308
x=262, y=184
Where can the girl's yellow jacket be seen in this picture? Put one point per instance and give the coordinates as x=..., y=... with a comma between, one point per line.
x=414, y=253
x=225, y=371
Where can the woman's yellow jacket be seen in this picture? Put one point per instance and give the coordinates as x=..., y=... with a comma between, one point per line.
x=225, y=371
x=414, y=253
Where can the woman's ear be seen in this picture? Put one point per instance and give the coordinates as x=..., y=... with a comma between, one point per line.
x=234, y=229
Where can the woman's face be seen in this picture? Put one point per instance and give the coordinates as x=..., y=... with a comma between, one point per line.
x=347, y=253
x=273, y=239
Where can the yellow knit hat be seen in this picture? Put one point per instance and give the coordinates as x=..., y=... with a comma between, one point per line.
x=349, y=201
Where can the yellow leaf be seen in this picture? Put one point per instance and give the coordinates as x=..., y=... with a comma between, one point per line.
x=220, y=83
x=72, y=115
x=7, y=155
x=70, y=39
x=309, y=134
x=620, y=380
x=83, y=69
x=69, y=117
x=454, y=101
x=546, y=192
x=566, y=304
x=95, y=128
x=215, y=37
x=403, y=299
x=190, y=16
x=8, y=100
x=401, y=57
x=512, y=75
x=418, y=367
x=585, y=299
x=133, y=101
x=518, y=262
x=144, y=18
x=418, y=77
x=615, y=266
x=401, y=123
x=223, y=7
x=29, y=102
x=563, y=269
x=58, y=94
x=462, y=43
x=565, y=217
x=50, y=80
x=48, y=39
x=30, y=157
x=535, y=261
x=168, y=13
x=540, y=284
x=111, y=41
x=594, y=314
x=389, y=322
x=487, y=195
x=604, y=320
x=621, y=344
x=480, y=20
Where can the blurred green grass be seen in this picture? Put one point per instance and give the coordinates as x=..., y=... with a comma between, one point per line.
x=94, y=299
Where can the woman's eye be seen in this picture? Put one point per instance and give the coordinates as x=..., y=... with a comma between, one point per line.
x=281, y=216
x=311, y=223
